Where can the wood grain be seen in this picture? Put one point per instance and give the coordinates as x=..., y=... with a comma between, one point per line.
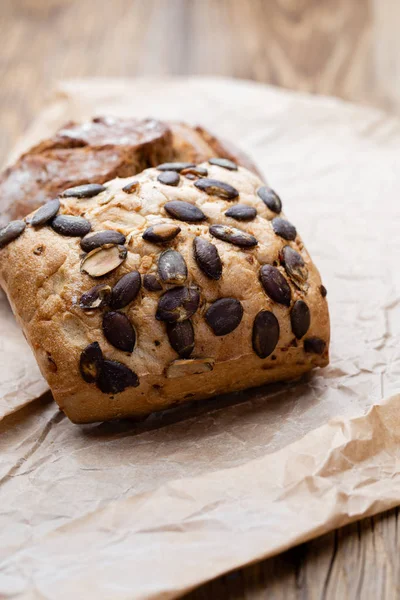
x=347, y=48
x=359, y=561
x=292, y=43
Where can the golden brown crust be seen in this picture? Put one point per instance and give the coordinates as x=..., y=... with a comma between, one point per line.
x=197, y=144
x=97, y=151
x=220, y=147
x=40, y=272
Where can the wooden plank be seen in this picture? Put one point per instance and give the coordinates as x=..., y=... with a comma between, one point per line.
x=284, y=42
x=335, y=47
x=357, y=561
x=385, y=55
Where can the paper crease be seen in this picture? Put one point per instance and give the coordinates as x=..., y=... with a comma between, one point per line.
x=150, y=510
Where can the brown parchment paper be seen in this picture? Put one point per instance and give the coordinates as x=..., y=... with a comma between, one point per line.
x=150, y=510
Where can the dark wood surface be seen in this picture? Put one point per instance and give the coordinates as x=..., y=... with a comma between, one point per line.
x=347, y=48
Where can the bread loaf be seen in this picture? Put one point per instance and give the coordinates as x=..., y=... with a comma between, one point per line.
x=99, y=150
x=177, y=284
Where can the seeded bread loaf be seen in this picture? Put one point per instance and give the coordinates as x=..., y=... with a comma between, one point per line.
x=179, y=283
x=100, y=150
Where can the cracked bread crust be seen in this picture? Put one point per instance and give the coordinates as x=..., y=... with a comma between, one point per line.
x=100, y=150
x=40, y=272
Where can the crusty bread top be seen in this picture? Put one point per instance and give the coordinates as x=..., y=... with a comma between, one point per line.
x=100, y=150
x=41, y=273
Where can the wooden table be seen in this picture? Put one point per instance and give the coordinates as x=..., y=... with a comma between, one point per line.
x=347, y=48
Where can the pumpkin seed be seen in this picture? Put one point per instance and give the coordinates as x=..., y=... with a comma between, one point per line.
x=265, y=333
x=234, y=236
x=151, y=283
x=125, y=290
x=225, y=163
x=295, y=267
x=115, y=377
x=97, y=297
x=275, y=285
x=101, y=261
x=241, y=212
x=207, y=258
x=213, y=187
x=90, y=362
x=178, y=304
x=88, y=190
x=172, y=267
x=224, y=315
x=270, y=198
x=169, y=178
x=175, y=166
x=71, y=226
x=11, y=232
x=118, y=330
x=300, y=318
x=161, y=233
x=45, y=213
x=184, y=211
x=101, y=238
x=314, y=345
x=197, y=171
x=131, y=187
x=181, y=337
x=189, y=366
x=284, y=229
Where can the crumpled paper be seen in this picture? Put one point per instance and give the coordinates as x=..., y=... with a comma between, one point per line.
x=152, y=509
x=20, y=378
